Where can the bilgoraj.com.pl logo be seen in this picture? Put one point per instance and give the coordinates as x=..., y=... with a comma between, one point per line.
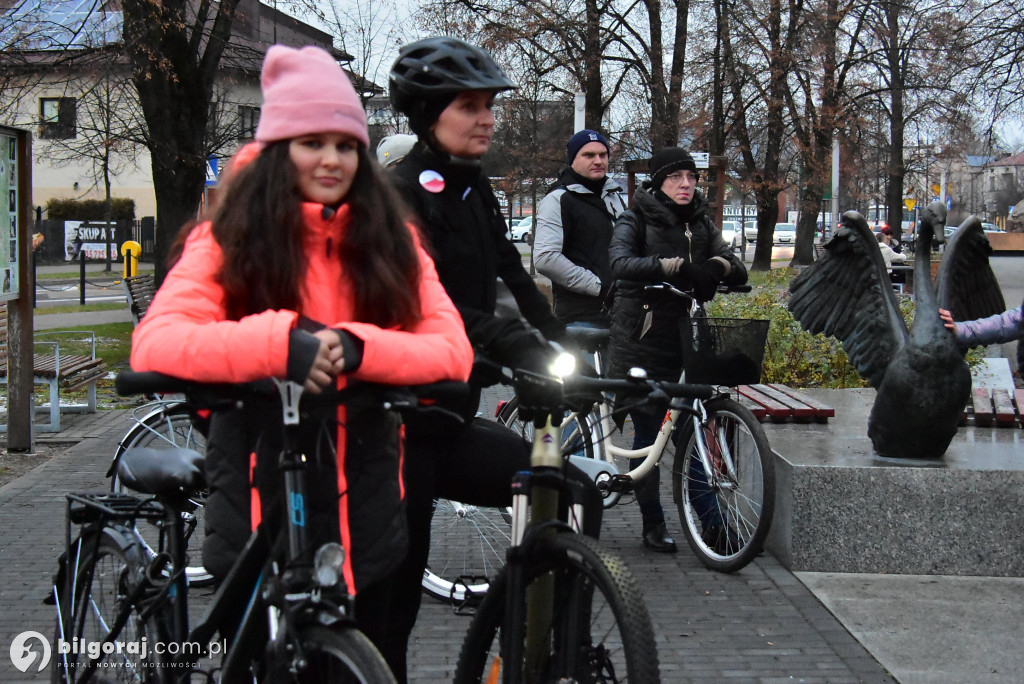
x=28, y=648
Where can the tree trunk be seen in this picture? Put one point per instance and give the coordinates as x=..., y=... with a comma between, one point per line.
x=174, y=64
x=896, y=169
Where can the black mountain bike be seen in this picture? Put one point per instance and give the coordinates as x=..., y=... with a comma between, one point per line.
x=283, y=613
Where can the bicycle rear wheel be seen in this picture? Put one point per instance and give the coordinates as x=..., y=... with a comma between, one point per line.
x=725, y=514
x=106, y=570
x=169, y=425
x=335, y=656
x=467, y=548
x=600, y=630
x=583, y=445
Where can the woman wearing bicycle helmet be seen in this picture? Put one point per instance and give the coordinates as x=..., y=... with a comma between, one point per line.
x=308, y=271
x=666, y=236
x=446, y=88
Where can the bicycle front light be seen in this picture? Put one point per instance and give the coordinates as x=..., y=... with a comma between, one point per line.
x=563, y=366
x=327, y=563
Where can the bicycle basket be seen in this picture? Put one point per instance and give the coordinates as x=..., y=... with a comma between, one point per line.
x=723, y=351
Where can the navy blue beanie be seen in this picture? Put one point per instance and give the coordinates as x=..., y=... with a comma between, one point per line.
x=582, y=138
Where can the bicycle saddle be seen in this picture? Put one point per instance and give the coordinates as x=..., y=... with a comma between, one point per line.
x=162, y=472
x=588, y=339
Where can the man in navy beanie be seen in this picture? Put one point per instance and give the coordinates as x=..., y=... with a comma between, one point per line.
x=574, y=227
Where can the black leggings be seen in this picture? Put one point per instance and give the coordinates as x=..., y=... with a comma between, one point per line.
x=473, y=465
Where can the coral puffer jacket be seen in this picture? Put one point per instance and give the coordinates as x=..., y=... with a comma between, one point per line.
x=185, y=334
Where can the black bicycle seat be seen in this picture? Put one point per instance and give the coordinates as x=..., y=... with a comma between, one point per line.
x=162, y=472
x=588, y=339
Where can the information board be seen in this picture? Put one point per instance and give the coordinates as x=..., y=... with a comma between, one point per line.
x=9, y=219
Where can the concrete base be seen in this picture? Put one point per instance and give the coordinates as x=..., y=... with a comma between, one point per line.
x=841, y=508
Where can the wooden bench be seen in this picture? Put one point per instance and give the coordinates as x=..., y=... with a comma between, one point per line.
x=994, y=408
x=57, y=371
x=141, y=289
x=781, y=403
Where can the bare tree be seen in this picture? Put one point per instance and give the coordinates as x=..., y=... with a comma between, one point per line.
x=175, y=48
x=759, y=40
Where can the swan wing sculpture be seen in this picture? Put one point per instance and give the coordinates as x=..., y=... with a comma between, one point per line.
x=846, y=294
x=967, y=287
x=921, y=378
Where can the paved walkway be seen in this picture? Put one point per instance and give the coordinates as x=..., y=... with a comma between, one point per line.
x=759, y=625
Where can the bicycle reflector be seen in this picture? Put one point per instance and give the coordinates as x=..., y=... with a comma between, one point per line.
x=327, y=563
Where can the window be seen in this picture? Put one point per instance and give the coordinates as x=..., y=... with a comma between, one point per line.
x=57, y=118
x=248, y=118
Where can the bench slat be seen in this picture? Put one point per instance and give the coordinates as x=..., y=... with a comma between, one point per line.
x=820, y=410
x=773, y=408
x=1003, y=406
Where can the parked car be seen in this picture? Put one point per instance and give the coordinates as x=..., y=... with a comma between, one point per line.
x=522, y=231
x=991, y=228
x=731, y=233
x=785, y=233
x=750, y=228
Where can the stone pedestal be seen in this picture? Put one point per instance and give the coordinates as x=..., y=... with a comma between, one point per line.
x=841, y=508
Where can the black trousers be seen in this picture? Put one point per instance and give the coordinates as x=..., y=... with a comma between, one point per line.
x=474, y=465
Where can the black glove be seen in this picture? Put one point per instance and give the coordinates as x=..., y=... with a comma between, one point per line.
x=535, y=359
x=704, y=277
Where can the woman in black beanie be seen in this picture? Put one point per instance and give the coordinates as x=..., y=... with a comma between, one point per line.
x=666, y=236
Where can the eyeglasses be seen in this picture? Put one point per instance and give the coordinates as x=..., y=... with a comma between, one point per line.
x=678, y=177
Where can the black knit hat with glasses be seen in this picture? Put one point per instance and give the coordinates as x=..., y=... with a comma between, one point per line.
x=669, y=160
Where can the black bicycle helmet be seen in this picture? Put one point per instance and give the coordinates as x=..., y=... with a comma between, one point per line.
x=429, y=73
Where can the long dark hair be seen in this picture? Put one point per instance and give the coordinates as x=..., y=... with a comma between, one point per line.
x=259, y=227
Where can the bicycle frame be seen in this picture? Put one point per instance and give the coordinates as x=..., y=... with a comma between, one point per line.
x=273, y=598
x=601, y=428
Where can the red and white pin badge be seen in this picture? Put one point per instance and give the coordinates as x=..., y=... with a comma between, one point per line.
x=432, y=181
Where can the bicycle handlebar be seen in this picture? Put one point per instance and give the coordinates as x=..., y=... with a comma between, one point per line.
x=426, y=398
x=689, y=294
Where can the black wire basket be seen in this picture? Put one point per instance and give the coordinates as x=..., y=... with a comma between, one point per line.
x=723, y=351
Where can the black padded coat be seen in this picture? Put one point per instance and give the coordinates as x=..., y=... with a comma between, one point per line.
x=647, y=233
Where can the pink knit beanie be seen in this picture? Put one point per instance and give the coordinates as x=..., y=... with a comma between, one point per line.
x=305, y=91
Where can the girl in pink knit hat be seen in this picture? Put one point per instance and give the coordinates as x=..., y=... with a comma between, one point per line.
x=308, y=270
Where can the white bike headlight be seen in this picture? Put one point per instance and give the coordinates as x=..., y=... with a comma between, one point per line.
x=564, y=365
x=327, y=564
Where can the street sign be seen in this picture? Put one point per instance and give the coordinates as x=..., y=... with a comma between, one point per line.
x=211, y=171
x=949, y=202
x=701, y=159
x=910, y=203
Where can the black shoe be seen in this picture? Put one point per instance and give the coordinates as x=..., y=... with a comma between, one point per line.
x=722, y=540
x=656, y=538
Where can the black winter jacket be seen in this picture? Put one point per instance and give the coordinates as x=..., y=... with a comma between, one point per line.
x=643, y=236
x=465, y=234
x=242, y=484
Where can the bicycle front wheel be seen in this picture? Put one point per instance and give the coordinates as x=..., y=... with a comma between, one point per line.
x=169, y=426
x=334, y=656
x=599, y=628
x=467, y=548
x=106, y=569
x=725, y=514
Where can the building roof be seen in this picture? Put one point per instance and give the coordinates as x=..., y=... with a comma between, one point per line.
x=59, y=24
x=1013, y=160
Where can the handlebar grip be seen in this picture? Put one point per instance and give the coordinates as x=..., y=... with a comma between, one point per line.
x=150, y=382
x=675, y=389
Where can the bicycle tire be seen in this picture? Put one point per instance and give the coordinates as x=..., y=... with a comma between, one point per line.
x=616, y=610
x=747, y=497
x=467, y=543
x=169, y=425
x=577, y=441
x=333, y=655
x=107, y=571
x=467, y=548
